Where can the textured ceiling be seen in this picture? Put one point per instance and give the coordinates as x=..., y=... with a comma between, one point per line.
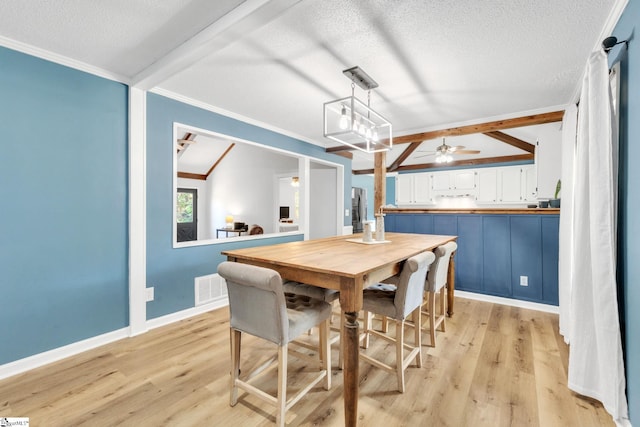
x=437, y=62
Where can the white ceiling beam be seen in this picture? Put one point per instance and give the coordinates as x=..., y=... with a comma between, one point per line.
x=250, y=15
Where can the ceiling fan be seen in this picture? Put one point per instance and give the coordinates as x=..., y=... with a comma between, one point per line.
x=444, y=153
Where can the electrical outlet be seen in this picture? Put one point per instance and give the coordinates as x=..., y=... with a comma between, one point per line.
x=150, y=294
x=524, y=281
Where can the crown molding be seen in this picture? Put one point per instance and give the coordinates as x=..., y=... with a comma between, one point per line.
x=62, y=60
x=231, y=114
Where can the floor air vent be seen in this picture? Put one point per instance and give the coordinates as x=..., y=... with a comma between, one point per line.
x=210, y=288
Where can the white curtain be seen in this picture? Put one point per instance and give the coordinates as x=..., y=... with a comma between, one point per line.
x=595, y=354
x=569, y=124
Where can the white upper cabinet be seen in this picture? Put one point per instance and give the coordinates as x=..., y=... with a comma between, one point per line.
x=454, y=183
x=507, y=185
x=464, y=179
x=487, y=185
x=510, y=184
x=441, y=181
x=413, y=189
x=548, y=160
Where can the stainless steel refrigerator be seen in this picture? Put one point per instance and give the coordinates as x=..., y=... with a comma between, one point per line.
x=358, y=208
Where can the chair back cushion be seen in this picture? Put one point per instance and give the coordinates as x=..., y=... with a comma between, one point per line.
x=256, y=301
x=437, y=276
x=410, y=286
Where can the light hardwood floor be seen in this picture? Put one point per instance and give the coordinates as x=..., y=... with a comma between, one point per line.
x=495, y=366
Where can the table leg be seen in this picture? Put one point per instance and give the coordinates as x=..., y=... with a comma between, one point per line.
x=451, y=284
x=351, y=368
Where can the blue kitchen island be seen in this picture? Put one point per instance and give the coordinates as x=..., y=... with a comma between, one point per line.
x=510, y=253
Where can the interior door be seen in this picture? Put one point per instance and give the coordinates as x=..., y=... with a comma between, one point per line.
x=187, y=214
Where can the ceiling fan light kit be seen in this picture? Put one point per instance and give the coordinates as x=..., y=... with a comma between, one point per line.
x=355, y=124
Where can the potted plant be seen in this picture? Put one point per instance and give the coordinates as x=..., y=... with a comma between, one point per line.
x=555, y=202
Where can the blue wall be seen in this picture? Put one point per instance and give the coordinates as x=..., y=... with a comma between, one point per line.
x=629, y=222
x=171, y=271
x=367, y=182
x=63, y=187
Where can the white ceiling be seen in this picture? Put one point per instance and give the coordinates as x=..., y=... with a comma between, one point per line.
x=276, y=62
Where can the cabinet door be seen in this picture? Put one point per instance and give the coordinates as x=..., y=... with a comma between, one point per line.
x=423, y=224
x=511, y=184
x=445, y=225
x=526, y=257
x=464, y=180
x=496, y=250
x=404, y=189
x=404, y=223
x=550, y=249
x=390, y=222
x=487, y=185
x=441, y=181
x=469, y=253
x=422, y=188
x=529, y=183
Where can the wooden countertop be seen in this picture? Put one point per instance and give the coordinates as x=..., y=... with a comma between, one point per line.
x=486, y=211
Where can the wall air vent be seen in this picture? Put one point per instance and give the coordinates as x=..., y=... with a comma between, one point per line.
x=210, y=288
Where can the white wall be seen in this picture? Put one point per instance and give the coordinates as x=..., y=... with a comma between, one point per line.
x=323, y=201
x=242, y=186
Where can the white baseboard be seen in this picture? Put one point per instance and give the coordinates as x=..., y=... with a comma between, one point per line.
x=507, y=301
x=185, y=314
x=37, y=360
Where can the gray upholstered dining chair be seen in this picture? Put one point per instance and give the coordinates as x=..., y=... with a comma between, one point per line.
x=327, y=295
x=398, y=303
x=259, y=306
x=436, y=281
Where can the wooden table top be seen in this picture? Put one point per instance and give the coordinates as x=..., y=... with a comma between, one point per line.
x=337, y=256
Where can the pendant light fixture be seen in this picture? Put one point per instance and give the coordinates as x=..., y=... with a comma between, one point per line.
x=353, y=123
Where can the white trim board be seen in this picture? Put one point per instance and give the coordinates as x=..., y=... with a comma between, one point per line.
x=185, y=314
x=41, y=359
x=37, y=360
x=507, y=301
x=62, y=60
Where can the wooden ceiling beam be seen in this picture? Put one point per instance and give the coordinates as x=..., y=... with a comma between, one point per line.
x=468, y=162
x=220, y=159
x=404, y=156
x=535, y=119
x=511, y=140
x=189, y=175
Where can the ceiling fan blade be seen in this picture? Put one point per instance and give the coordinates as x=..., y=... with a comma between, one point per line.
x=424, y=155
x=467, y=152
x=456, y=148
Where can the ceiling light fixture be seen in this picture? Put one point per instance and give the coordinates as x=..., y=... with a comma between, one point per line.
x=353, y=123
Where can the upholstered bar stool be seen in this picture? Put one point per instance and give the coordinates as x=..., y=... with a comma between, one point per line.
x=398, y=303
x=258, y=306
x=327, y=295
x=436, y=281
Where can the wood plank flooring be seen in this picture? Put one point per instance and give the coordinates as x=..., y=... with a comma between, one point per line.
x=494, y=366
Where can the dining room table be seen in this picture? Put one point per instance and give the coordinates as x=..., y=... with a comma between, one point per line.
x=347, y=264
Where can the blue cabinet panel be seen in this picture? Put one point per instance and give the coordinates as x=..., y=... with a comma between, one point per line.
x=423, y=224
x=469, y=253
x=496, y=250
x=445, y=224
x=526, y=257
x=550, y=249
x=390, y=222
x=404, y=224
